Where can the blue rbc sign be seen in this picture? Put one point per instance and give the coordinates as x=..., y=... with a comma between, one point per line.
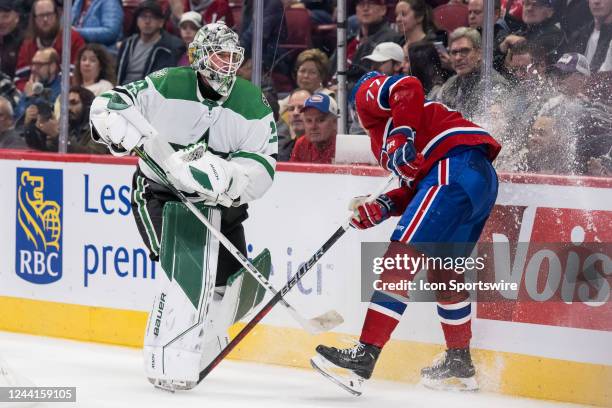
x=38, y=249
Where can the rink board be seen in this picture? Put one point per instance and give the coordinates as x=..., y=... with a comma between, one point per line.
x=102, y=288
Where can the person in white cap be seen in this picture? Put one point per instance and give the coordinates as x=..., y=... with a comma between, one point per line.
x=387, y=58
x=189, y=24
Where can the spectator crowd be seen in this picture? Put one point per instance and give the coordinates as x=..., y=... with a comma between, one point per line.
x=548, y=99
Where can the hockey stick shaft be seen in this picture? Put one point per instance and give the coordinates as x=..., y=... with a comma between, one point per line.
x=309, y=325
x=290, y=284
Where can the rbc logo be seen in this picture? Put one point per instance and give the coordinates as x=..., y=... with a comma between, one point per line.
x=38, y=250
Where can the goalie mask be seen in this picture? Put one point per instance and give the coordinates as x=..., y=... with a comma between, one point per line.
x=215, y=52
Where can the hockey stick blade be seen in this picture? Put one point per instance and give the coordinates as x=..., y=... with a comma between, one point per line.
x=322, y=323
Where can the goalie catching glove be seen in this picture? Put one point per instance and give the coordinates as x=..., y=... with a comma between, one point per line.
x=196, y=170
x=368, y=214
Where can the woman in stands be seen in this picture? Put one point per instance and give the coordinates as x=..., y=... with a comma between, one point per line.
x=95, y=69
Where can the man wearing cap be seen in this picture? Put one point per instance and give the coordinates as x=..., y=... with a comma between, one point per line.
x=12, y=31
x=567, y=123
x=318, y=145
x=387, y=58
x=151, y=49
x=189, y=24
x=594, y=39
x=538, y=27
x=373, y=30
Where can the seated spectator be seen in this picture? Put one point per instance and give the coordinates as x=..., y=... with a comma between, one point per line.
x=12, y=30
x=464, y=90
x=414, y=21
x=525, y=62
x=44, y=83
x=274, y=30
x=311, y=71
x=530, y=88
x=292, y=129
x=42, y=130
x=572, y=16
x=43, y=32
x=556, y=132
x=189, y=25
x=318, y=145
x=43, y=133
x=500, y=29
x=373, y=30
x=9, y=137
x=594, y=40
x=310, y=74
x=98, y=21
x=79, y=136
x=387, y=58
x=8, y=89
x=538, y=27
x=476, y=14
x=423, y=62
x=95, y=69
x=151, y=49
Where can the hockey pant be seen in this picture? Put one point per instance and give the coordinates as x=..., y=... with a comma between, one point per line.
x=445, y=218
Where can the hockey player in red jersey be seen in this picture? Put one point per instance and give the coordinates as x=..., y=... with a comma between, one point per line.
x=448, y=189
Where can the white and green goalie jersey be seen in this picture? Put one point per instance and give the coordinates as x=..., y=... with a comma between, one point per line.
x=239, y=127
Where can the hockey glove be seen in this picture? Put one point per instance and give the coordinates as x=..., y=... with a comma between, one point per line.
x=402, y=158
x=368, y=214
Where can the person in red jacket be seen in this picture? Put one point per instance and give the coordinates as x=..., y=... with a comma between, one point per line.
x=448, y=189
x=318, y=144
x=43, y=31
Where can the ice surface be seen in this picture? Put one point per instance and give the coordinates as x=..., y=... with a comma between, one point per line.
x=111, y=376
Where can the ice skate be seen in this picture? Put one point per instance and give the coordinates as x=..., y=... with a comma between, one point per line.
x=358, y=360
x=452, y=371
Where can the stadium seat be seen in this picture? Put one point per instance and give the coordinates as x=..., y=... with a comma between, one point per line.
x=448, y=17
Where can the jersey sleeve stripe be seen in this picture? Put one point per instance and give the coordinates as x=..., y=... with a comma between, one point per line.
x=259, y=159
x=450, y=133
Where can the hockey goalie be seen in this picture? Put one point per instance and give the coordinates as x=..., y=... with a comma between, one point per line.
x=214, y=136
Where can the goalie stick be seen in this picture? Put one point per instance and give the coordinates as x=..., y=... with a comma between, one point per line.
x=278, y=297
x=315, y=325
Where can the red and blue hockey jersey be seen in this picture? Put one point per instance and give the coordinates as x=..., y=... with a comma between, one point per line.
x=387, y=102
x=384, y=103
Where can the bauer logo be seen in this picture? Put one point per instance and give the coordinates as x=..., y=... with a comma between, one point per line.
x=38, y=250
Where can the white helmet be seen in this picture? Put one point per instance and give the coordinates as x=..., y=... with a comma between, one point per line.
x=216, y=53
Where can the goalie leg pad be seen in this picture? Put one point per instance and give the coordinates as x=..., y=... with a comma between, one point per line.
x=243, y=294
x=181, y=311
